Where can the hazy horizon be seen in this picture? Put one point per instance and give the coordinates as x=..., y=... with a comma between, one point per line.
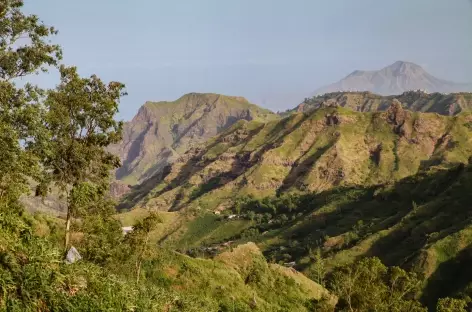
x=274, y=53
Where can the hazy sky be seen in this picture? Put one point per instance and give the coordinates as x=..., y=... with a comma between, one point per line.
x=273, y=52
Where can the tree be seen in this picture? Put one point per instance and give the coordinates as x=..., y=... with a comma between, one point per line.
x=318, y=268
x=451, y=305
x=24, y=50
x=368, y=285
x=79, y=122
x=102, y=234
x=138, y=240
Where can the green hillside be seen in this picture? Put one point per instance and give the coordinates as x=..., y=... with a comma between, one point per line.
x=161, y=131
x=307, y=152
x=421, y=223
x=392, y=184
x=228, y=224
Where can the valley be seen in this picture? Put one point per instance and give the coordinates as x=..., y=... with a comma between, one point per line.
x=355, y=199
x=329, y=182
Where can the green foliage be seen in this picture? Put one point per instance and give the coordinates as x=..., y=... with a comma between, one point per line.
x=91, y=199
x=324, y=304
x=24, y=45
x=368, y=285
x=33, y=276
x=137, y=242
x=204, y=188
x=79, y=119
x=318, y=269
x=78, y=125
x=24, y=50
x=451, y=305
x=102, y=237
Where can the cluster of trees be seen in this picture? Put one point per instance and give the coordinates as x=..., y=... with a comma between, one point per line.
x=53, y=137
x=274, y=210
x=369, y=285
x=58, y=138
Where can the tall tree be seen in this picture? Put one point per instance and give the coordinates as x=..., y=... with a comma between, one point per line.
x=25, y=50
x=368, y=285
x=80, y=123
x=138, y=241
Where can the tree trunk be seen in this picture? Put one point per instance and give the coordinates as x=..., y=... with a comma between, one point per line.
x=67, y=234
x=140, y=259
x=68, y=221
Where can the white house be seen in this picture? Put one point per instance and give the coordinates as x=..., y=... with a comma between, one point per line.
x=126, y=229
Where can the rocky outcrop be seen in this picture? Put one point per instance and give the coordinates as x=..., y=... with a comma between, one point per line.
x=118, y=189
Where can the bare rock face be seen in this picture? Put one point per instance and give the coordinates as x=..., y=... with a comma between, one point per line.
x=118, y=189
x=396, y=113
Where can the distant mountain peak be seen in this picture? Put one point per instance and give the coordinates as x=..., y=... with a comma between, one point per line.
x=402, y=67
x=396, y=78
x=356, y=73
x=399, y=64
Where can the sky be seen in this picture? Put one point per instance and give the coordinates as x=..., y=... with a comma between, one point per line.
x=273, y=52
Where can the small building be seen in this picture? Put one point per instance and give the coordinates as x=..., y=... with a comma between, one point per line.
x=290, y=264
x=126, y=229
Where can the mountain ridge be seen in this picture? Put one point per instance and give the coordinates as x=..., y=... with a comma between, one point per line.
x=366, y=101
x=161, y=131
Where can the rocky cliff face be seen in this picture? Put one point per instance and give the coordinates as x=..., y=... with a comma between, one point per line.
x=394, y=79
x=162, y=131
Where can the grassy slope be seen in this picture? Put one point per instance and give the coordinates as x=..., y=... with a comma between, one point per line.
x=229, y=282
x=235, y=276
x=384, y=184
